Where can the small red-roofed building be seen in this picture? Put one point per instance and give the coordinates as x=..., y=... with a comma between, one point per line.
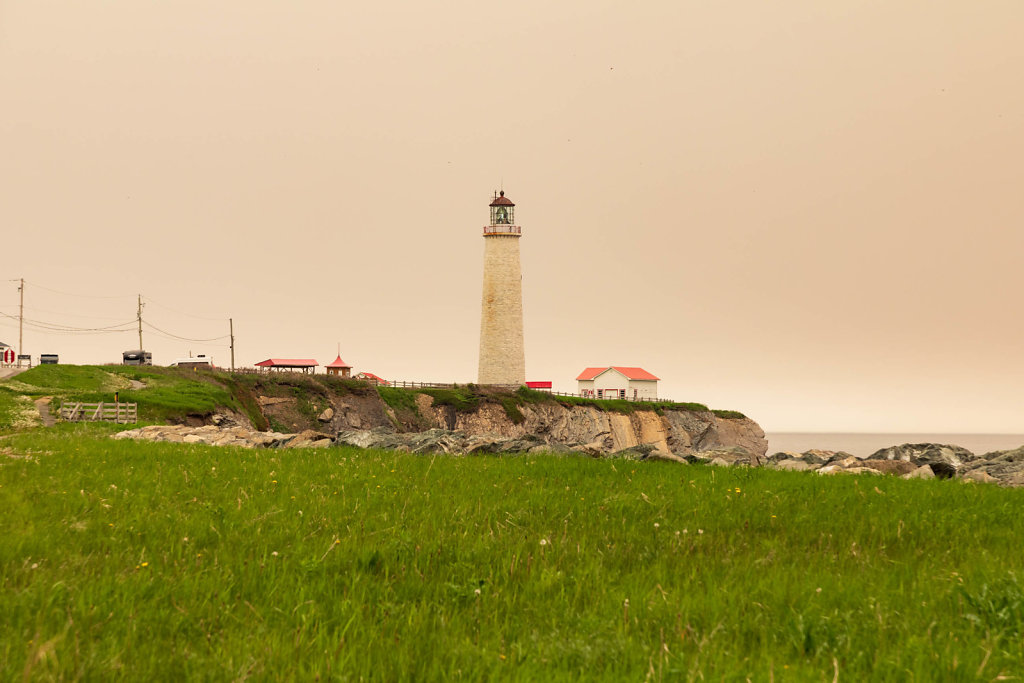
x=339, y=367
x=372, y=378
x=616, y=381
x=288, y=365
x=539, y=386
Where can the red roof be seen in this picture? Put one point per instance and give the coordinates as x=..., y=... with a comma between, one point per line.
x=538, y=385
x=502, y=200
x=370, y=375
x=287, y=363
x=338, y=363
x=630, y=373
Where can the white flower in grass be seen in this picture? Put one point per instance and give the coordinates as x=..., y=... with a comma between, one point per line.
x=656, y=525
x=477, y=591
x=543, y=541
x=700, y=531
x=274, y=553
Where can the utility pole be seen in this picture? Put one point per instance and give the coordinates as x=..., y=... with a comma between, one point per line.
x=140, y=322
x=21, y=319
x=231, y=322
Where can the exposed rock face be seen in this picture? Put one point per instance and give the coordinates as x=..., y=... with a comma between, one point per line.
x=334, y=407
x=674, y=432
x=352, y=411
x=440, y=441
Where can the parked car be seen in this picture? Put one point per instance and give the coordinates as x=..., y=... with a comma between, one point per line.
x=138, y=357
x=201, y=361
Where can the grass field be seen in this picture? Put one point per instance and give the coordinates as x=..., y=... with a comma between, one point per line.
x=163, y=561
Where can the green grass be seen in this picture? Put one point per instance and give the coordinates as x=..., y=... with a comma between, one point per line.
x=463, y=399
x=511, y=407
x=526, y=395
x=71, y=378
x=170, y=394
x=398, y=399
x=12, y=409
x=466, y=399
x=171, y=561
x=244, y=393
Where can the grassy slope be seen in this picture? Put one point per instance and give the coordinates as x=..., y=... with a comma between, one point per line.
x=171, y=561
x=169, y=393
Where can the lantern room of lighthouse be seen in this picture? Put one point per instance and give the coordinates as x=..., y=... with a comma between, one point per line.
x=503, y=217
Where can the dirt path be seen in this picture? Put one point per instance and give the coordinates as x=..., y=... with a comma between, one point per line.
x=43, y=406
x=136, y=384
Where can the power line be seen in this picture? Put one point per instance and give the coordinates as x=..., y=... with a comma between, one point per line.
x=52, y=328
x=73, y=315
x=49, y=331
x=58, y=327
x=171, y=334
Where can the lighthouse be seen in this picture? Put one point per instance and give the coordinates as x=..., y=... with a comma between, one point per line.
x=502, y=358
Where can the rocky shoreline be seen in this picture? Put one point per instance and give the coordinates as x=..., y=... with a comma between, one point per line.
x=927, y=460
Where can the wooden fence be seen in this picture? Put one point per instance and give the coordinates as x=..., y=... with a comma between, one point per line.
x=594, y=397
x=122, y=413
x=403, y=384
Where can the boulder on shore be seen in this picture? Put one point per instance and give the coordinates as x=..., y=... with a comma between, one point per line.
x=945, y=460
x=1005, y=467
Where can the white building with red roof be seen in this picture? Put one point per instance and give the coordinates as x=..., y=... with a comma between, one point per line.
x=616, y=381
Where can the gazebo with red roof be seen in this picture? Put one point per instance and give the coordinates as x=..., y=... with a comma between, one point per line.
x=339, y=367
x=618, y=381
x=289, y=364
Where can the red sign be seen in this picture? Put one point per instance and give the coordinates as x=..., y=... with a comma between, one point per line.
x=8, y=356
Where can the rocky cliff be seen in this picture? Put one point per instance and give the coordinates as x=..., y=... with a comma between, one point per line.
x=297, y=403
x=667, y=431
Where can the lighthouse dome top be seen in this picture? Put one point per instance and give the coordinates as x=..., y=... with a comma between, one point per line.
x=503, y=213
x=502, y=200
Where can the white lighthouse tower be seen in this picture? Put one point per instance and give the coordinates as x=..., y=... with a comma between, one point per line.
x=502, y=358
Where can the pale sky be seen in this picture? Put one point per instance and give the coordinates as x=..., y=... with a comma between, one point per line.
x=807, y=211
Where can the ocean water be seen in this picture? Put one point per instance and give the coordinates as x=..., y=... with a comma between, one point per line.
x=866, y=444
